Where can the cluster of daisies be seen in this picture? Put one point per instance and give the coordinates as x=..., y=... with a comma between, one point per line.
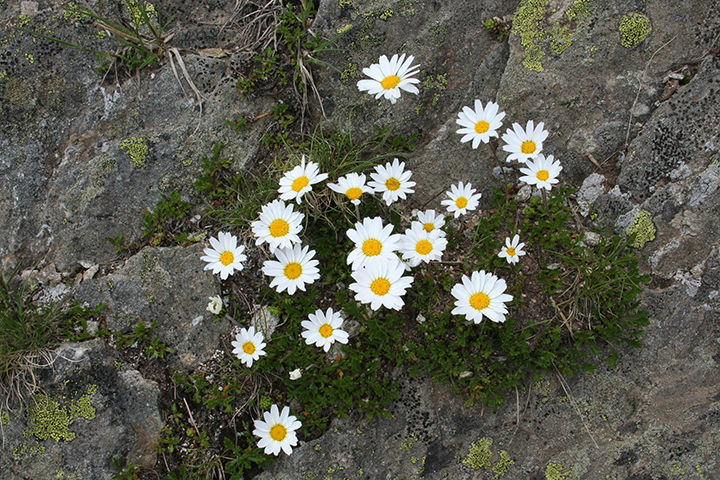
x=380, y=259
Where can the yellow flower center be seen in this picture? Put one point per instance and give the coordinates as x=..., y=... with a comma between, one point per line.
x=461, y=202
x=279, y=228
x=392, y=184
x=479, y=300
x=354, y=193
x=227, y=257
x=372, y=247
x=278, y=432
x=326, y=330
x=429, y=227
x=249, y=348
x=482, y=126
x=300, y=183
x=423, y=247
x=528, y=146
x=390, y=82
x=293, y=270
x=511, y=251
x=380, y=286
x=542, y=175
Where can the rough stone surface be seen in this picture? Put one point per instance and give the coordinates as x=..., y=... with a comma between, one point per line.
x=125, y=424
x=655, y=416
x=65, y=178
x=146, y=289
x=636, y=128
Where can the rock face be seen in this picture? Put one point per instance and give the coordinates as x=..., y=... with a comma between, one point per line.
x=82, y=158
x=146, y=289
x=93, y=409
x=633, y=116
x=655, y=416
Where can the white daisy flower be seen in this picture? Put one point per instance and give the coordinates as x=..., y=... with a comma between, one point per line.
x=389, y=77
x=429, y=220
x=526, y=144
x=225, y=256
x=323, y=329
x=513, y=250
x=373, y=241
x=215, y=305
x=296, y=374
x=277, y=432
x=392, y=181
x=278, y=226
x=479, y=124
x=542, y=172
x=352, y=186
x=418, y=245
x=381, y=284
x=480, y=295
x=462, y=199
x=295, y=267
x=298, y=181
x=248, y=345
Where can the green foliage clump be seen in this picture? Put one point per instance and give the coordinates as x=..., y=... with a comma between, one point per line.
x=634, y=28
x=164, y=224
x=27, y=329
x=141, y=336
x=571, y=302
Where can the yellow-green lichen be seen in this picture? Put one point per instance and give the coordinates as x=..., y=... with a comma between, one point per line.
x=579, y=9
x=479, y=455
x=4, y=418
x=28, y=449
x=387, y=13
x=634, y=28
x=557, y=471
x=349, y=72
x=531, y=24
x=527, y=25
x=48, y=418
x=437, y=83
x=344, y=3
x=137, y=149
x=642, y=228
x=408, y=443
x=72, y=13
x=502, y=465
x=140, y=13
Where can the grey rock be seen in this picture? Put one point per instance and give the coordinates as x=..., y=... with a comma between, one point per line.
x=123, y=419
x=67, y=183
x=167, y=286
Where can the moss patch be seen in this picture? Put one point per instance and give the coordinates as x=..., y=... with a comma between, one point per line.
x=51, y=419
x=137, y=149
x=634, y=28
x=643, y=228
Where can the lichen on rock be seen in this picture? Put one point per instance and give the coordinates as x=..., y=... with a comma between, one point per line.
x=634, y=28
x=137, y=149
x=51, y=419
x=643, y=229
